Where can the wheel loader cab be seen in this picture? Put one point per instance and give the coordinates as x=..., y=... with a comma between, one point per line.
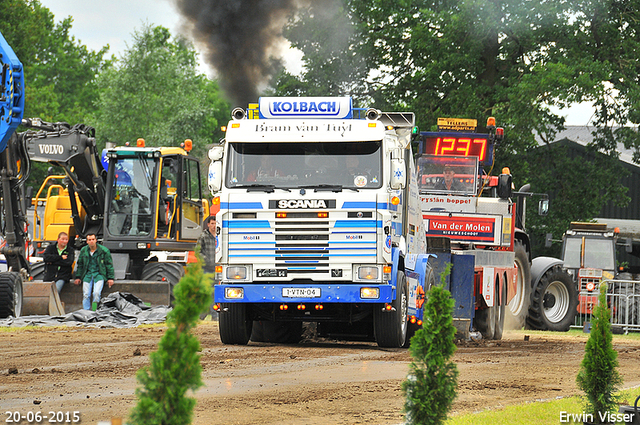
x=153, y=195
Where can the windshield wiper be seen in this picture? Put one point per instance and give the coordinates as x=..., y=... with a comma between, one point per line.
x=323, y=187
x=257, y=187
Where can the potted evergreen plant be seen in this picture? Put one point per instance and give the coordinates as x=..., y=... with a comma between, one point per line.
x=598, y=376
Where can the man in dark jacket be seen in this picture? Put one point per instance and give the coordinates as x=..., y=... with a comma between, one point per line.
x=207, y=242
x=95, y=265
x=58, y=260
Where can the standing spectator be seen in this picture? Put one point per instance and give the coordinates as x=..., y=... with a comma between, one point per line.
x=58, y=260
x=207, y=242
x=94, y=266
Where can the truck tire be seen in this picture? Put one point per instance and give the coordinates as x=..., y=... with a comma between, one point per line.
x=519, y=304
x=500, y=308
x=390, y=327
x=163, y=272
x=554, y=302
x=485, y=322
x=277, y=332
x=234, y=323
x=10, y=294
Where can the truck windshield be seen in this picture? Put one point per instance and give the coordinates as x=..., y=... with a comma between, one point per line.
x=129, y=211
x=349, y=165
x=598, y=253
x=448, y=174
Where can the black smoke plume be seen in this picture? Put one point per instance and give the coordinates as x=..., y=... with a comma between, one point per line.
x=239, y=37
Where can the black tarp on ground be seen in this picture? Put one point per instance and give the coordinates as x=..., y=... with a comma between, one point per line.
x=117, y=310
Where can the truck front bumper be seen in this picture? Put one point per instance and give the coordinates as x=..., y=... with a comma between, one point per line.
x=304, y=293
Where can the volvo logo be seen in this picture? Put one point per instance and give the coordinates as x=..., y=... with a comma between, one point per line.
x=51, y=149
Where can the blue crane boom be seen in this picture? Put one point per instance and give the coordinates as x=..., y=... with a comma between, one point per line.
x=12, y=96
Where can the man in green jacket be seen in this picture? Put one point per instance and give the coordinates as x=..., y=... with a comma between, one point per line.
x=94, y=266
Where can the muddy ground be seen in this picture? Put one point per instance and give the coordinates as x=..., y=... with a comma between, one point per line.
x=92, y=371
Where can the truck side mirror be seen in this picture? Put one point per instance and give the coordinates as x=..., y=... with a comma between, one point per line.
x=398, y=178
x=548, y=240
x=504, y=186
x=215, y=176
x=543, y=207
x=628, y=245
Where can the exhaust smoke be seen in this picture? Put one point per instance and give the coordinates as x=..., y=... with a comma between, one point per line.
x=239, y=38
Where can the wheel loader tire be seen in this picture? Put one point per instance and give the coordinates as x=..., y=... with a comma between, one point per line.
x=390, y=327
x=235, y=324
x=554, y=302
x=10, y=294
x=518, y=307
x=501, y=309
x=163, y=272
x=276, y=332
x=37, y=270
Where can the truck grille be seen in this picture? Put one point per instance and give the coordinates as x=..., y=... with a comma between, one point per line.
x=303, y=246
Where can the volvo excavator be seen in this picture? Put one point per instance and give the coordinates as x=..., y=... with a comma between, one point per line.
x=143, y=203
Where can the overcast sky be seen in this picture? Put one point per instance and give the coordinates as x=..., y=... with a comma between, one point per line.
x=100, y=22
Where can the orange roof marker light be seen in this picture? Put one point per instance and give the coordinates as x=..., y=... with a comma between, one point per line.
x=188, y=145
x=140, y=142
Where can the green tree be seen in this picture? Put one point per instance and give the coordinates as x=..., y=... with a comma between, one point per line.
x=59, y=71
x=155, y=92
x=511, y=59
x=431, y=386
x=598, y=376
x=175, y=366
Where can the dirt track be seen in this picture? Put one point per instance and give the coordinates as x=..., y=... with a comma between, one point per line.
x=93, y=371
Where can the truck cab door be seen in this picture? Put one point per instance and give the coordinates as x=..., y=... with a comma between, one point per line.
x=191, y=211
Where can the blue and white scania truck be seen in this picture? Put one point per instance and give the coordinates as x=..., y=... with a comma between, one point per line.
x=320, y=221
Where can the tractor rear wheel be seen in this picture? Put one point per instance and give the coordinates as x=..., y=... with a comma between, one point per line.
x=519, y=304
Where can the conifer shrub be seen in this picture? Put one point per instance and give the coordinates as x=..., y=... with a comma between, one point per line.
x=175, y=367
x=598, y=376
x=430, y=388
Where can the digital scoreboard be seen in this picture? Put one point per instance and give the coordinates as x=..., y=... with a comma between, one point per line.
x=458, y=144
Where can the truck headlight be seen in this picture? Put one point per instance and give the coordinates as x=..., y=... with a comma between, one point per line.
x=237, y=273
x=370, y=293
x=234, y=293
x=368, y=273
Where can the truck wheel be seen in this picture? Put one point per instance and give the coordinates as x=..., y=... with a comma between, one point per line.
x=163, y=272
x=10, y=294
x=278, y=332
x=37, y=270
x=500, y=309
x=519, y=304
x=554, y=302
x=234, y=323
x=390, y=327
